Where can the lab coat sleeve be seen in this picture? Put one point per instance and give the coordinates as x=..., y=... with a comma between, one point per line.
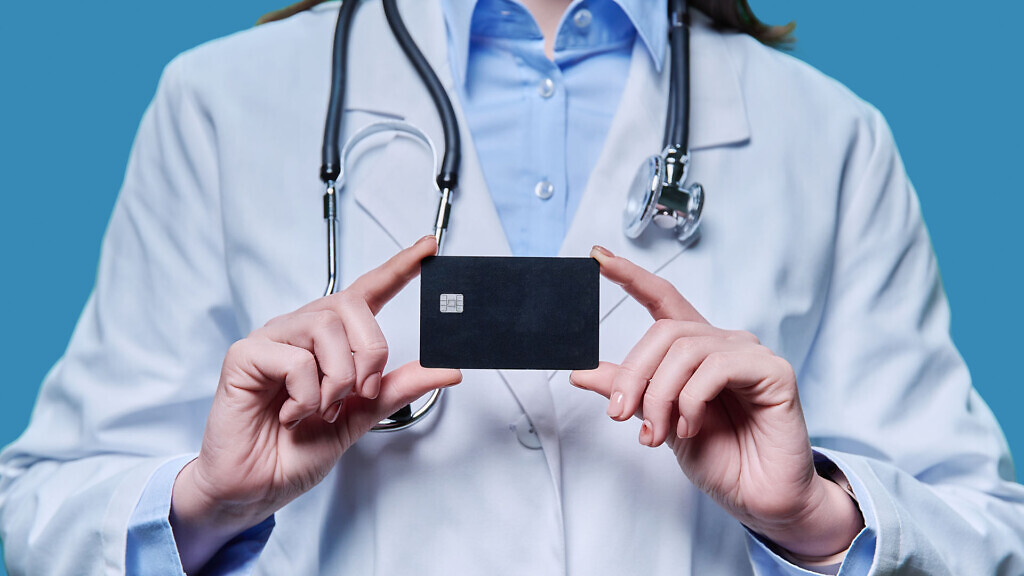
x=888, y=398
x=135, y=385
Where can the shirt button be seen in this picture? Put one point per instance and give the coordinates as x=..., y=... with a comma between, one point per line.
x=546, y=88
x=582, y=18
x=544, y=190
x=526, y=434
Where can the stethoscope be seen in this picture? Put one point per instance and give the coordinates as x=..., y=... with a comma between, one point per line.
x=658, y=193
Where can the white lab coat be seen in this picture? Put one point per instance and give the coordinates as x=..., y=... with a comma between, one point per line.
x=813, y=241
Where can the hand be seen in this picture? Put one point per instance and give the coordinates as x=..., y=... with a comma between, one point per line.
x=729, y=409
x=292, y=397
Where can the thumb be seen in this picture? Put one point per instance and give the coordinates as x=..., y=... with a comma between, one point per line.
x=597, y=380
x=397, y=389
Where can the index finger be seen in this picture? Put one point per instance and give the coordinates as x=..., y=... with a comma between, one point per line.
x=653, y=292
x=378, y=286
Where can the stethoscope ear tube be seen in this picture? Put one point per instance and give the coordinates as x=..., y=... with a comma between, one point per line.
x=447, y=177
x=330, y=156
x=677, y=124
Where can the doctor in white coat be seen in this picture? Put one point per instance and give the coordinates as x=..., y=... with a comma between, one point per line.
x=807, y=325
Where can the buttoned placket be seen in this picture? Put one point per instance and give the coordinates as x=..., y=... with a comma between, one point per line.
x=538, y=179
x=548, y=128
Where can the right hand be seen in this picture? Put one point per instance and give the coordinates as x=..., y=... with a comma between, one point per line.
x=292, y=397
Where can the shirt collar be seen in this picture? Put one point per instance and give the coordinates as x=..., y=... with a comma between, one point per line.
x=651, y=23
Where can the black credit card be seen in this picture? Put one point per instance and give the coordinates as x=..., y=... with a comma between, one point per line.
x=509, y=313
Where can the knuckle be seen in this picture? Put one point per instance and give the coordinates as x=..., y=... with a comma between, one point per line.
x=347, y=297
x=664, y=289
x=658, y=302
x=374, y=350
x=716, y=361
x=629, y=373
x=376, y=345
x=688, y=350
x=783, y=368
x=743, y=336
x=238, y=351
x=325, y=320
x=665, y=325
x=339, y=381
x=277, y=320
x=299, y=360
x=662, y=286
x=660, y=399
x=332, y=394
x=686, y=398
x=347, y=378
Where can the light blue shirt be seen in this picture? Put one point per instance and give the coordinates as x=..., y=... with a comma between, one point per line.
x=538, y=126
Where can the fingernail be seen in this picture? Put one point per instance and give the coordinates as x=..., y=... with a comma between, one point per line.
x=291, y=425
x=601, y=254
x=331, y=415
x=683, y=428
x=371, y=387
x=647, y=433
x=615, y=407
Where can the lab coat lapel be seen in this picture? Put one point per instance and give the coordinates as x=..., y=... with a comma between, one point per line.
x=401, y=196
x=718, y=118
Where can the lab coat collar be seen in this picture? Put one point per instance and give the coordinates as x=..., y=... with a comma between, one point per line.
x=650, y=23
x=401, y=205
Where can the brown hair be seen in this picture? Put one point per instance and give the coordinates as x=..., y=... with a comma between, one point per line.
x=737, y=15
x=728, y=14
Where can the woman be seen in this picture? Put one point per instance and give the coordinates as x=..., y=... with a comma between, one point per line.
x=815, y=252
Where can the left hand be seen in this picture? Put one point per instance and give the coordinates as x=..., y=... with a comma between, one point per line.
x=729, y=409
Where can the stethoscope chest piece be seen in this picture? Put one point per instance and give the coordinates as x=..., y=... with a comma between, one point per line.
x=653, y=198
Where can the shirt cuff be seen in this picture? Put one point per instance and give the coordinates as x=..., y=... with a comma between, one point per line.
x=151, y=548
x=859, y=557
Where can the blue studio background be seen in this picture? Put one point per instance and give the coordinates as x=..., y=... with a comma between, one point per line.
x=77, y=76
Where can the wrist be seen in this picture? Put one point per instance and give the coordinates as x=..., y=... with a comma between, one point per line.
x=826, y=530
x=202, y=524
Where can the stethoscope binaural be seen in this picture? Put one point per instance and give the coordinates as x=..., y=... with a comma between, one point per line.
x=658, y=193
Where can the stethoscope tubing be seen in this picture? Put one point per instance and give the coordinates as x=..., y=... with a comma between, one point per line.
x=398, y=421
x=332, y=171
